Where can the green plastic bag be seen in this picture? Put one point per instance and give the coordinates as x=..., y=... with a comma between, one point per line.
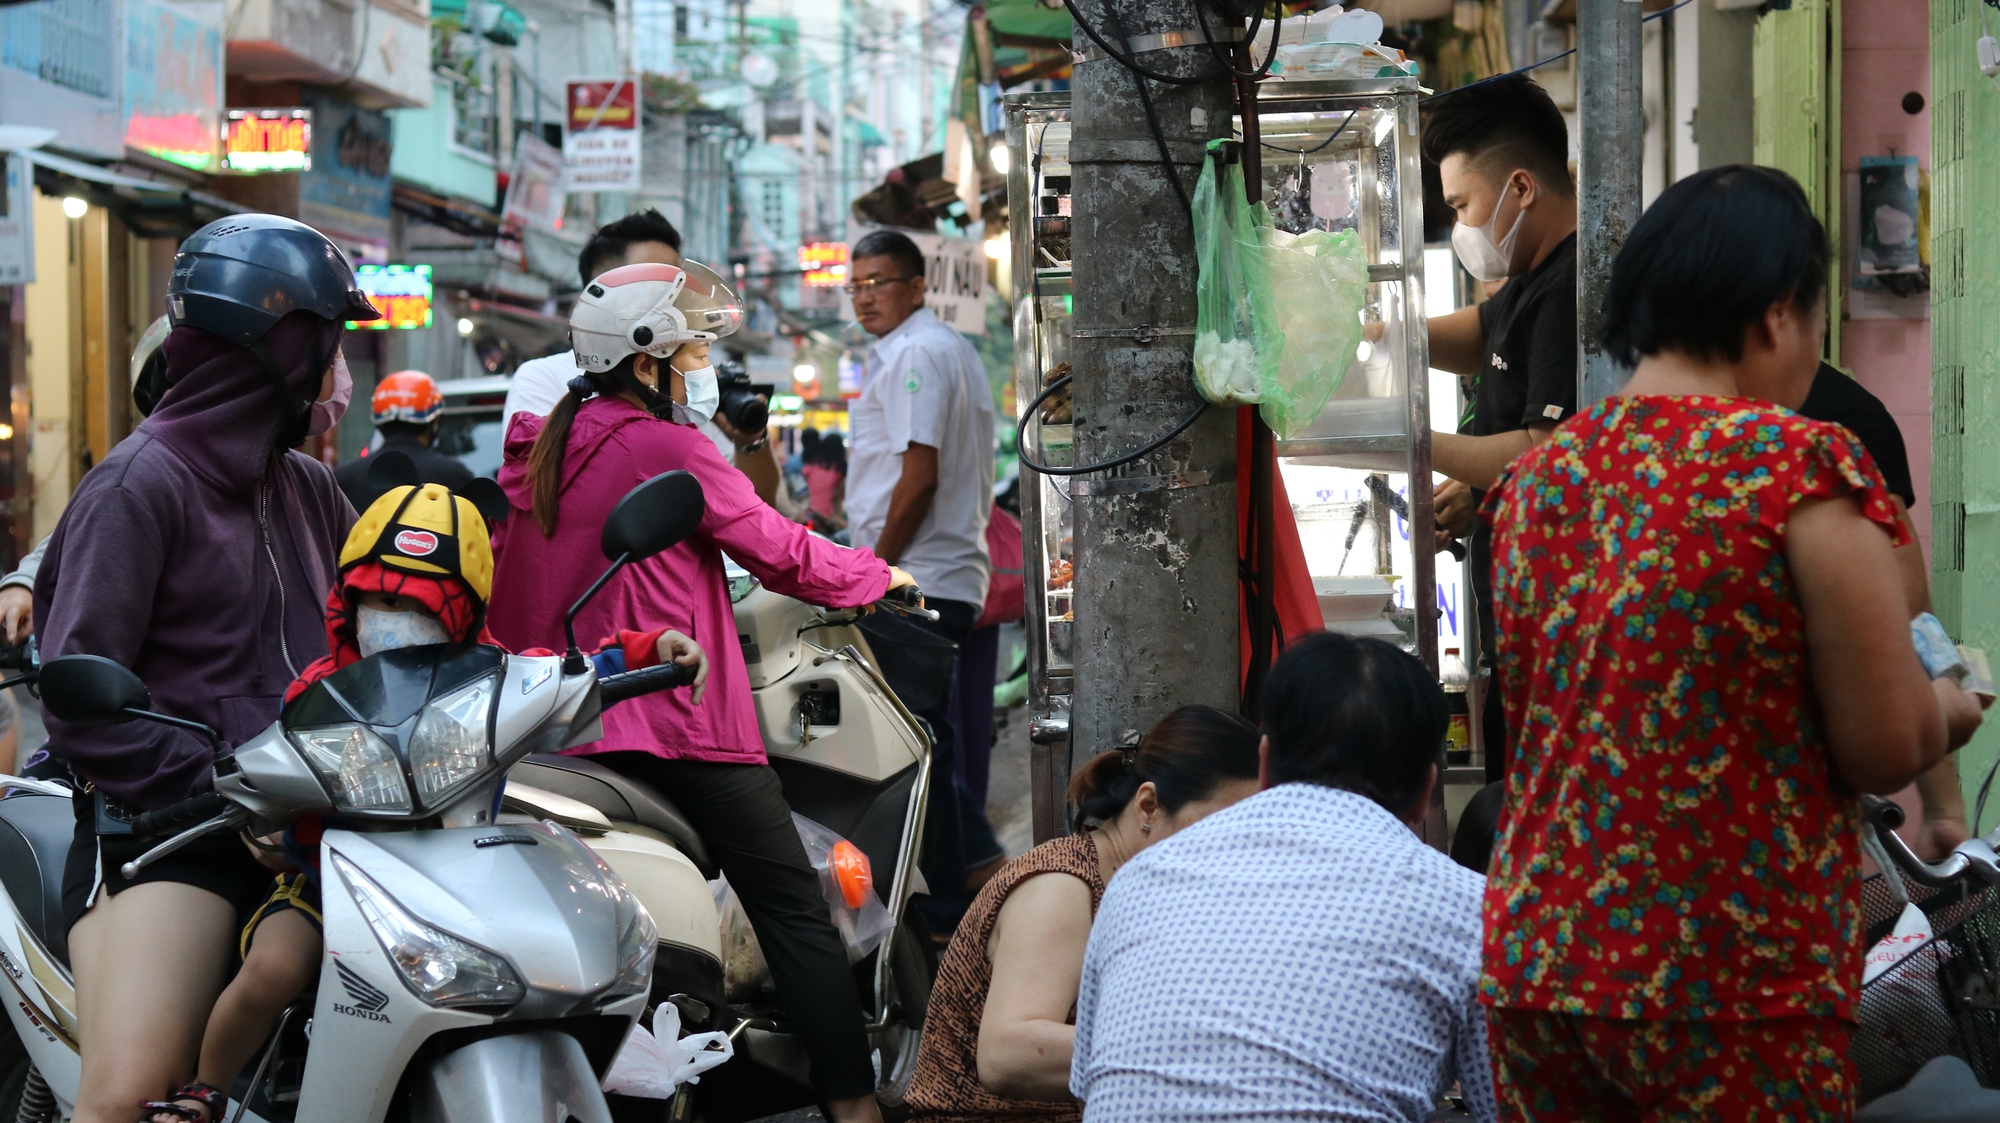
x=1237, y=344
x=1319, y=281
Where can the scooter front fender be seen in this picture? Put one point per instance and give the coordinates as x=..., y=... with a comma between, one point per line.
x=540, y=1077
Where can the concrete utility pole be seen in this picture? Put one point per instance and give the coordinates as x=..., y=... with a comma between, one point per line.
x=1610, y=152
x=1156, y=574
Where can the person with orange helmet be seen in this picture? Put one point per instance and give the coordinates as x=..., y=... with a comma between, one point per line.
x=407, y=407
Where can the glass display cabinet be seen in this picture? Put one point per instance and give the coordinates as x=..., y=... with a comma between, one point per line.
x=1342, y=155
x=1038, y=222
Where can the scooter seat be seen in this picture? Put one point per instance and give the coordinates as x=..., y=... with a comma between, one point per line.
x=621, y=800
x=35, y=836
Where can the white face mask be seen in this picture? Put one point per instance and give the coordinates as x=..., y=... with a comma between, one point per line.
x=377, y=630
x=703, y=394
x=1482, y=256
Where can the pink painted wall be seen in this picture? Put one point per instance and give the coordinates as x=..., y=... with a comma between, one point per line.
x=1885, y=53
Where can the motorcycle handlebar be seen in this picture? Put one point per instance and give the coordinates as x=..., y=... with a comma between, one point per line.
x=619, y=688
x=1975, y=856
x=909, y=600
x=179, y=816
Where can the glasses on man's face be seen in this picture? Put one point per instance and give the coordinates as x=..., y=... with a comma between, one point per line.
x=872, y=288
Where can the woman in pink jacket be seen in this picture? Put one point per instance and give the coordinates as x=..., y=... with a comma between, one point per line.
x=629, y=416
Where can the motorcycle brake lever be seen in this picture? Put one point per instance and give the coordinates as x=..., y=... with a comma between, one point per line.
x=231, y=819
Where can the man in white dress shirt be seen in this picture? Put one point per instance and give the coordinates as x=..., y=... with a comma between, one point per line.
x=641, y=238
x=1303, y=954
x=919, y=490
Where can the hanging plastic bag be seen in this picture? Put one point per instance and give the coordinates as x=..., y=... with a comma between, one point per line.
x=651, y=1065
x=1319, y=281
x=848, y=884
x=1237, y=342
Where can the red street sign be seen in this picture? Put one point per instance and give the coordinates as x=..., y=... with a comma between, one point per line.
x=603, y=104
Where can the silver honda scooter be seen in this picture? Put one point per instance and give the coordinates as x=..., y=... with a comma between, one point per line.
x=473, y=971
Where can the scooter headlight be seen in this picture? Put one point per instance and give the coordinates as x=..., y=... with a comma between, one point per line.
x=359, y=767
x=450, y=746
x=438, y=967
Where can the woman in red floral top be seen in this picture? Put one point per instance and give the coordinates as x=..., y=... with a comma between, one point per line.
x=1705, y=645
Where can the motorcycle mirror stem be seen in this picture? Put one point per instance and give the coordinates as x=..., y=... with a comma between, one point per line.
x=573, y=661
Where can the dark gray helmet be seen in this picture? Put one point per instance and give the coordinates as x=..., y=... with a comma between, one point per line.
x=239, y=275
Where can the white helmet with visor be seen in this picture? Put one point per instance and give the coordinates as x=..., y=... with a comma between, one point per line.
x=650, y=309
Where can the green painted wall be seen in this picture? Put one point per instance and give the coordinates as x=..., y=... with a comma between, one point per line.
x=1795, y=80
x=1965, y=341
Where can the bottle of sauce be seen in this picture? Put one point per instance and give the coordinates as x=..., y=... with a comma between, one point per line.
x=1456, y=678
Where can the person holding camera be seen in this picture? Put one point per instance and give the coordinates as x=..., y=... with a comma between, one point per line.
x=737, y=430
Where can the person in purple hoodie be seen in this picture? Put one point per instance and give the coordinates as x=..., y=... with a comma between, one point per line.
x=197, y=553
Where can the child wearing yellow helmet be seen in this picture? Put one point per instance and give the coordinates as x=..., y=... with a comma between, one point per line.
x=416, y=569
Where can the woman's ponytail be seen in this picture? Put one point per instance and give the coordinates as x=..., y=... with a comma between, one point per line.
x=545, y=460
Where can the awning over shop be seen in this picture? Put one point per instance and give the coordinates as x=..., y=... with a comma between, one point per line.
x=457, y=215
x=155, y=208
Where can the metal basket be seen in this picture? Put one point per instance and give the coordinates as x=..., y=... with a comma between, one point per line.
x=1941, y=999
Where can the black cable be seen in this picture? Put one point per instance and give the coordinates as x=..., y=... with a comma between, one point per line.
x=1021, y=437
x=1167, y=167
x=1315, y=148
x=1130, y=62
x=1249, y=35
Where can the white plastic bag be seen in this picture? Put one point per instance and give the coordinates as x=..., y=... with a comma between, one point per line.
x=1912, y=931
x=848, y=884
x=651, y=1067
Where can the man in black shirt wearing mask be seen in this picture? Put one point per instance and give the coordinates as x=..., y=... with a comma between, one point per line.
x=1502, y=152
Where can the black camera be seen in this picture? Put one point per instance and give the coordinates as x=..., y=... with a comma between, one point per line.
x=744, y=404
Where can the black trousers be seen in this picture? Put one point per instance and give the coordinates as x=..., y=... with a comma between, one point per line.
x=741, y=813
x=918, y=660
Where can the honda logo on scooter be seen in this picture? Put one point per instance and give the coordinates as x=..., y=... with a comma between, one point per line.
x=368, y=998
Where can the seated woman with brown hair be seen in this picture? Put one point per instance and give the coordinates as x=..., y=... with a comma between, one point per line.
x=1000, y=1029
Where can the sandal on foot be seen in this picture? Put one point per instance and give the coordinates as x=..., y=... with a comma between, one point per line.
x=213, y=1099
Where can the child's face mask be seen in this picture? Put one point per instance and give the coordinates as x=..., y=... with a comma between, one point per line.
x=377, y=629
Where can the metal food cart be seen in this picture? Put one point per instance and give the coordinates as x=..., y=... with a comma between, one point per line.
x=1337, y=155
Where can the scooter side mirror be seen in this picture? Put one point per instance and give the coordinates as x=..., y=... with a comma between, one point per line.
x=651, y=518
x=654, y=516
x=92, y=690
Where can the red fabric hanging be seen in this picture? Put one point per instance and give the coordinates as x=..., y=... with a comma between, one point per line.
x=1292, y=598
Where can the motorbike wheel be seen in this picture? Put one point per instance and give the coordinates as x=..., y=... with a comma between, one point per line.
x=14, y=1069
x=912, y=970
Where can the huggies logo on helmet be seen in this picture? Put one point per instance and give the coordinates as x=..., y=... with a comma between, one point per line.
x=416, y=543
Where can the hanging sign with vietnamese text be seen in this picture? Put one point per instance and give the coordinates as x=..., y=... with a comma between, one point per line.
x=257, y=141
x=955, y=281
x=601, y=135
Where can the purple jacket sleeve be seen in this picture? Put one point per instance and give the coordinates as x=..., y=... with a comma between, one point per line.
x=94, y=596
x=777, y=551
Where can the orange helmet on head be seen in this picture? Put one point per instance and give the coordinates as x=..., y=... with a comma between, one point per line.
x=409, y=396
